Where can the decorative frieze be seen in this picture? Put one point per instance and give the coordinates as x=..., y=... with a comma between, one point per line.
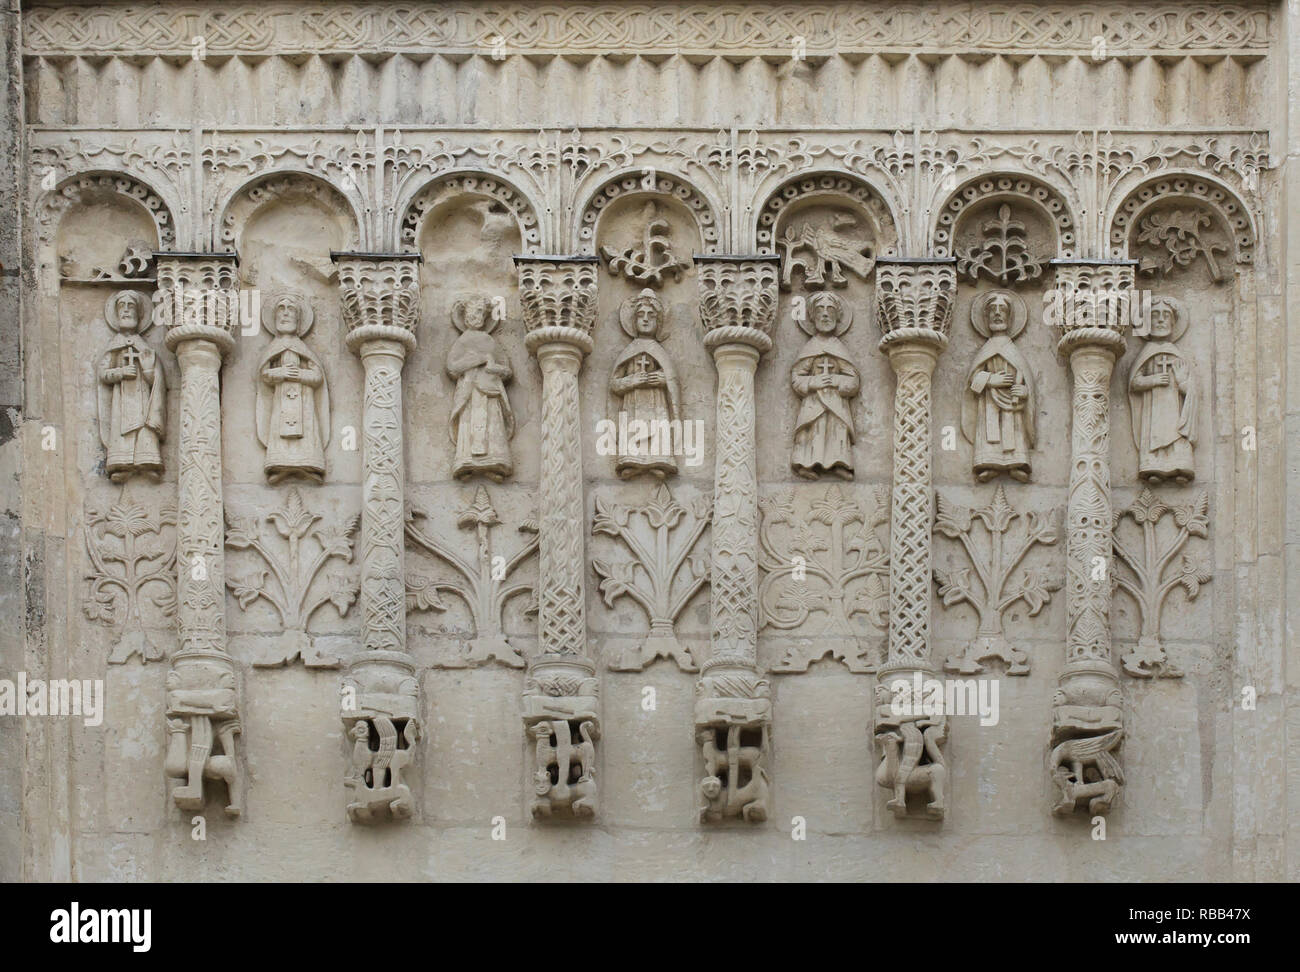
x=380, y=298
x=738, y=298
x=914, y=306
x=199, y=306
x=561, y=706
x=1087, y=714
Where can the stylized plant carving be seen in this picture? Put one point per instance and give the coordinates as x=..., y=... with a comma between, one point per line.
x=832, y=561
x=1179, y=232
x=1147, y=577
x=993, y=560
x=651, y=579
x=482, y=585
x=296, y=567
x=655, y=257
x=1003, y=253
x=129, y=559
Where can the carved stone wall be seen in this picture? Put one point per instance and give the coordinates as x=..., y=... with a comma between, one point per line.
x=621, y=424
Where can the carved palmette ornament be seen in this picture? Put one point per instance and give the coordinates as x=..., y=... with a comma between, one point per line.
x=380, y=712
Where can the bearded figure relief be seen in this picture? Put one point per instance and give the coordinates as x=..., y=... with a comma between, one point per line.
x=293, y=399
x=132, y=392
x=1162, y=398
x=482, y=422
x=826, y=381
x=998, y=406
x=644, y=394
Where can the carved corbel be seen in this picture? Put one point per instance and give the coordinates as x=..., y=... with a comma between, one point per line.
x=380, y=298
x=198, y=304
x=561, y=692
x=1091, y=314
x=733, y=709
x=914, y=305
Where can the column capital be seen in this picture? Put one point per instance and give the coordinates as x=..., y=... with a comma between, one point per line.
x=558, y=294
x=1092, y=304
x=738, y=298
x=914, y=302
x=198, y=297
x=380, y=296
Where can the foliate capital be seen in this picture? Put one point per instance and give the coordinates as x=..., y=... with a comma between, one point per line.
x=738, y=299
x=558, y=295
x=198, y=297
x=1093, y=304
x=380, y=296
x=914, y=300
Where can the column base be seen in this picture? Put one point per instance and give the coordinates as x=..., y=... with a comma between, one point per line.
x=561, y=718
x=202, y=723
x=911, y=727
x=733, y=727
x=380, y=712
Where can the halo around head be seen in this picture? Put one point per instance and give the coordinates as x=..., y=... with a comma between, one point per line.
x=461, y=304
x=627, y=313
x=143, y=307
x=979, y=308
x=1181, y=319
x=306, y=316
x=825, y=296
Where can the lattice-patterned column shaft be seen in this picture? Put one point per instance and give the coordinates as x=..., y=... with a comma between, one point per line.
x=914, y=304
x=199, y=306
x=561, y=698
x=1092, y=313
x=733, y=709
x=380, y=298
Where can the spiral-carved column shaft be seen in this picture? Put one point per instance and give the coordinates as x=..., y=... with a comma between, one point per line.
x=1087, y=716
x=733, y=708
x=914, y=303
x=199, y=306
x=380, y=299
x=561, y=692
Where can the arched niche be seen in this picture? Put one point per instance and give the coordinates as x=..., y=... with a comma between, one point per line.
x=284, y=190
x=104, y=226
x=497, y=196
x=1031, y=201
x=824, y=224
x=1181, y=220
x=632, y=190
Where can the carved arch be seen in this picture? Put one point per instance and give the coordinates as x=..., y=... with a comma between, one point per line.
x=470, y=182
x=632, y=183
x=80, y=188
x=829, y=185
x=1195, y=187
x=266, y=188
x=1009, y=186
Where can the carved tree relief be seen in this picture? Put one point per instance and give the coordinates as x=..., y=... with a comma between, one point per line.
x=484, y=584
x=662, y=578
x=993, y=559
x=297, y=561
x=829, y=561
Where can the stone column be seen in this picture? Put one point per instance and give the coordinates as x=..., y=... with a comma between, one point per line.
x=1091, y=313
x=198, y=304
x=380, y=298
x=733, y=703
x=914, y=303
x=561, y=692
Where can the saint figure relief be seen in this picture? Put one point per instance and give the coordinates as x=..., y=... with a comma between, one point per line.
x=826, y=381
x=644, y=395
x=482, y=422
x=293, y=399
x=999, y=401
x=1162, y=398
x=132, y=392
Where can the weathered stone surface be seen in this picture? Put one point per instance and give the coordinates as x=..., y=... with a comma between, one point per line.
x=568, y=423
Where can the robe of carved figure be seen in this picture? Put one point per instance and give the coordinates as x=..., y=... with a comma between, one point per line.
x=998, y=406
x=826, y=382
x=1162, y=399
x=293, y=404
x=132, y=392
x=482, y=422
x=644, y=392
